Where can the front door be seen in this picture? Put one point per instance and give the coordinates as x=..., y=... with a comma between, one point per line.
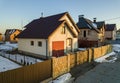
x=69, y=45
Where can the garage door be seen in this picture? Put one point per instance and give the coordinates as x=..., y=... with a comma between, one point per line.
x=58, y=48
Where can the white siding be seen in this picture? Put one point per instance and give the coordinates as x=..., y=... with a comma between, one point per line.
x=25, y=45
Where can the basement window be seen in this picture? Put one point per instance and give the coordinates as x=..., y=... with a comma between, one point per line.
x=32, y=43
x=40, y=43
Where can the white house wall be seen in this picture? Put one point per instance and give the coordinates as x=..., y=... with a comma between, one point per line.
x=108, y=34
x=92, y=36
x=114, y=35
x=25, y=45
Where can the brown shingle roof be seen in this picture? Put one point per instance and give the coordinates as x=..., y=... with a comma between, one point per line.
x=85, y=23
x=11, y=31
x=42, y=27
x=100, y=24
x=110, y=27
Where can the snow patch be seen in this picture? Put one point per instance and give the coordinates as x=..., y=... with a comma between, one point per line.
x=6, y=64
x=103, y=58
x=62, y=79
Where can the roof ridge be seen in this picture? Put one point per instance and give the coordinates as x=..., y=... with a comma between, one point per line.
x=55, y=15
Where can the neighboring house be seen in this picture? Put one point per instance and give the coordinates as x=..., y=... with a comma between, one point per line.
x=10, y=35
x=110, y=31
x=118, y=34
x=1, y=37
x=101, y=27
x=90, y=35
x=49, y=36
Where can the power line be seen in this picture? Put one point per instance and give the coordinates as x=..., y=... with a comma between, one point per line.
x=112, y=19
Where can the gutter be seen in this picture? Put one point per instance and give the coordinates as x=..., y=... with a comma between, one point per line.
x=46, y=49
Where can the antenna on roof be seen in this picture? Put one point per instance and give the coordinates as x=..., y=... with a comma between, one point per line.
x=42, y=14
x=22, y=24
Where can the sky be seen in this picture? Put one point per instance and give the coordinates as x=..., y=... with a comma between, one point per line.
x=15, y=14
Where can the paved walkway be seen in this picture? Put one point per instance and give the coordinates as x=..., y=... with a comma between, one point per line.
x=102, y=73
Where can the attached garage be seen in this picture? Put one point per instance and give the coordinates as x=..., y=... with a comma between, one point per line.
x=57, y=48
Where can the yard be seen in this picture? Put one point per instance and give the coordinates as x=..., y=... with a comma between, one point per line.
x=6, y=64
x=18, y=58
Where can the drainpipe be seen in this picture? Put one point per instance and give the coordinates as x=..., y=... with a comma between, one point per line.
x=46, y=49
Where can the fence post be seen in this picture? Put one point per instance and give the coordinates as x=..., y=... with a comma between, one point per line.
x=88, y=56
x=92, y=59
x=75, y=58
x=101, y=51
x=53, y=68
x=68, y=61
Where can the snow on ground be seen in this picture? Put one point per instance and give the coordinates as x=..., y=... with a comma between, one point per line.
x=16, y=57
x=62, y=79
x=105, y=58
x=81, y=49
x=8, y=46
x=116, y=47
x=21, y=58
x=6, y=64
x=111, y=57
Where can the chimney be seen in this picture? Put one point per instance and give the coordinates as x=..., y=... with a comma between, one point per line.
x=94, y=20
x=80, y=16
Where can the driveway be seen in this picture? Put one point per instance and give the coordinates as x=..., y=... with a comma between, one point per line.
x=102, y=73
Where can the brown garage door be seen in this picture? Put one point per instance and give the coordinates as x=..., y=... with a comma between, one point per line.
x=58, y=48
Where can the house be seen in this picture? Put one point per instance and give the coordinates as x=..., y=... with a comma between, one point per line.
x=101, y=27
x=118, y=34
x=110, y=31
x=1, y=37
x=50, y=36
x=10, y=35
x=90, y=35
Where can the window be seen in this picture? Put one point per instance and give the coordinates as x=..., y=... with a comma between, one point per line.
x=32, y=43
x=84, y=33
x=40, y=43
x=64, y=29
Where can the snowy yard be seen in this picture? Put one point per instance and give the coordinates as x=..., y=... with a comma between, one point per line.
x=8, y=46
x=19, y=58
x=22, y=59
x=6, y=64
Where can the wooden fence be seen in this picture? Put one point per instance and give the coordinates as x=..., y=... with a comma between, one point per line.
x=53, y=67
x=63, y=64
x=28, y=74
